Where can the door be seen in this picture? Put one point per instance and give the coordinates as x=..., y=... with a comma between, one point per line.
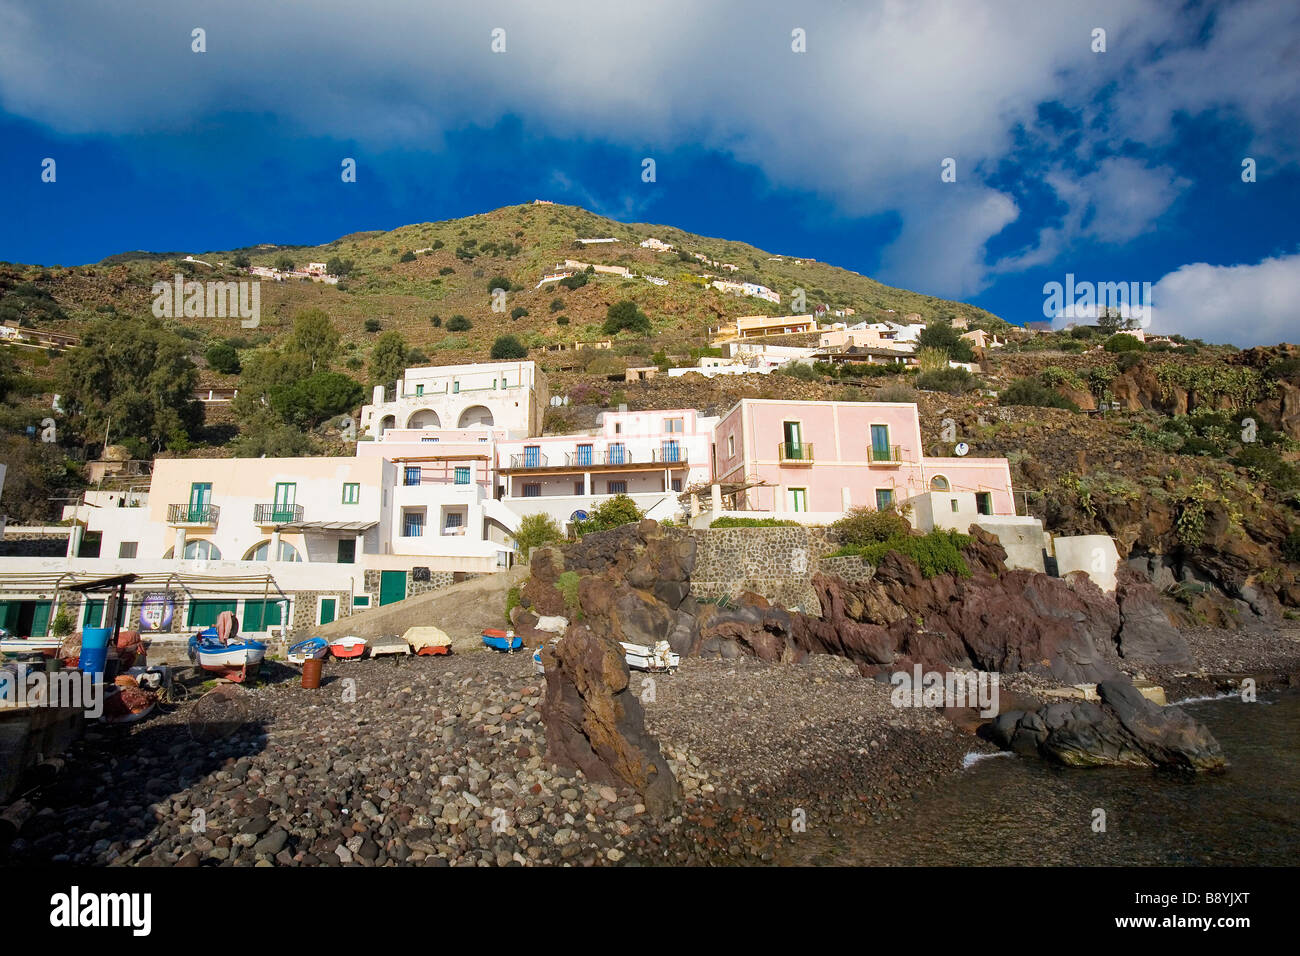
x=328, y=609
x=798, y=499
x=260, y=616
x=583, y=456
x=532, y=455
x=93, y=613
x=40, y=619
x=884, y=499
x=200, y=500
x=392, y=586
x=880, y=443
x=617, y=454
x=285, y=494
x=203, y=613
x=672, y=451
x=793, y=440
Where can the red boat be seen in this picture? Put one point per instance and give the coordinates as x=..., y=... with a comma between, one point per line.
x=348, y=648
x=430, y=649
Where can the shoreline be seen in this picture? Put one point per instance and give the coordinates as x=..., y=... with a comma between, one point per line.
x=441, y=761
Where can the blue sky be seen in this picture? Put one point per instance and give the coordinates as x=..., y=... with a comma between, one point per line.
x=1122, y=165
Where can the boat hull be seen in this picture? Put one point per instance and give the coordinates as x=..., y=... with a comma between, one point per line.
x=313, y=649
x=348, y=648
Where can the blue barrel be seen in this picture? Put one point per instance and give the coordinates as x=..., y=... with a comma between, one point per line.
x=94, y=649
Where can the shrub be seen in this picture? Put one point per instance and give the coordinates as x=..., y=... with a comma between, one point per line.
x=1128, y=360
x=458, y=323
x=567, y=585
x=512, y=601
x=575, y=281
x=446, y=271
x=222, y=357
x=625, y=315
x=862, y=526
x=498, y=282
x=954, y=381
x=62, y=624
x=562, y=320
x=940, y=335
x=896, y=393
x=726, y=522
x=1028, y=391
x=518, y=312
x=509, y=347
x=407, y=256
x=372, y=325
x=935, y=553
x=612, y=513
x=557, y=305
x=436, y=321
x=535, y=531
x=1122, y=342
x=1291, y=547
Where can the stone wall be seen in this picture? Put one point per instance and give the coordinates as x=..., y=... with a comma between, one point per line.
x=778, y=563
x=28, y=544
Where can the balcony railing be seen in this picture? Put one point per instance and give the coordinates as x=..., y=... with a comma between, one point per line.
x=889, y=455
x=276, y=514
x=529, y=461
x=206, y=515
x=599, y=459
x=796, y=452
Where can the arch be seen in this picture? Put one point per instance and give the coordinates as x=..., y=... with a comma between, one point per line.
x=939, y=483
x=387, y=422
x=424, y=418
x=260, y=551
x=476, y=415
x=200, y=549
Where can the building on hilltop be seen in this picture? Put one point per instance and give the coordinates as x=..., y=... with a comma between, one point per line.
x=510, y=396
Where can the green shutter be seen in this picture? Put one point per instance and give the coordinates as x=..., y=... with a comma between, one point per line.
x=203, y=613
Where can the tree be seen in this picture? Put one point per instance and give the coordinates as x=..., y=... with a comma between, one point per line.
x=37, y=472
x=262, y=373
x=339, y=267
x=407, y=256
x=315, y=337
x=458, y=323
x=940, y=335
x=222, y=357
x=240, y=261
x=509, y=347
x=557, y=304
x=1123, y=342
x=284, y=263
x=536, y=531
x=499, y=282
x=612, y=513
x=267, y=435
x=134, y=376
x=1110, y=321
x=518, y=312
x=306, y=402
x=625, y=315
x=388, y=359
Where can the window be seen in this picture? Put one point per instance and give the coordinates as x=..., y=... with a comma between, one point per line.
x=462, y=476
x=286, y=493
x=532, y=456
x=672, y=451
x=618, y=428
x=128, y=549
x=677, y=484
x=453, y=519
x=287, y=552
x=200, y=501
x=731, y=446
x=201, y=550
x=798, y=499
x=532, y=490
x=618, y=454
x=361, y=600
x=954, y=505
x=419, y=391
x=582, y=455
x=422, y=440
x=455, y=387
x=880, y=443
x=938, y=483
x=579, y=488
x=616, y=487
x=412, y=523
x=411, y=475
x=674, y=425
x=984, y=502
x=884, y=499
x=793, y=447
x=351, y=492
x=347, y=551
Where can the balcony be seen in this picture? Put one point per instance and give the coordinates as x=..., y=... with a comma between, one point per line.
x=273, y=514
x=610, y=458
x=795, y=453
x=193, y=516
x=529, y=461
x=889, y=455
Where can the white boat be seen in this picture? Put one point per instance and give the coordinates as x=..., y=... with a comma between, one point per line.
x=234, y=660
x=29, y=645
x=658, y=658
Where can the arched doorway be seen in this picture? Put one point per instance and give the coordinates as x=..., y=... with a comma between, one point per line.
x=475, y=415
x=424, y=418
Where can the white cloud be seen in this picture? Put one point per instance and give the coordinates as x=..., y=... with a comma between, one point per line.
x=1243, y=304
x=863, y=119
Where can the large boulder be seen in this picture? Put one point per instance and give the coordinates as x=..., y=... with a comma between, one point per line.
x=1145, y=634
x=595, y=724
x=1123, y=729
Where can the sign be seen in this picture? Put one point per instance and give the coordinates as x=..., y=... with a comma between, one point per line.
x=962, y=449
x=419, y=574
x=156, y=611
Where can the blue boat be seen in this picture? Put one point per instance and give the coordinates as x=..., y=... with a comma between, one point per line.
x=234, y=660
x=314, y=648
x=504, y=641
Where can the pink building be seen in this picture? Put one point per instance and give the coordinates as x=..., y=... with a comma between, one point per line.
x=818, y=459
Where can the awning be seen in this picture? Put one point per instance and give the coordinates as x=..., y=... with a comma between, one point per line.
x=338, y=527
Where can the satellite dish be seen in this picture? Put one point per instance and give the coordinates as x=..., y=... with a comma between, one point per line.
x=578, y=516
x=962, y=449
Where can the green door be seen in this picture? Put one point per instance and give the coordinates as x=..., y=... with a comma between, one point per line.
x=93, y=614
x=392, y=586
x=200, y=499
x=9, y=616
x=328, y=609
x=286, y=493
x=259, y=616
x=40, y=618
x=880, y=443
x=203, y=613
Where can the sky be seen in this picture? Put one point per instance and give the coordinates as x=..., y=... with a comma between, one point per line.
x=973, y=149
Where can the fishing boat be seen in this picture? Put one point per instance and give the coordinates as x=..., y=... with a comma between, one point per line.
x=348, y=648
x=312, y=649
x=658, y=658
x=30, y=645
x=504, y=641
x=429, y=650
x=235, y=658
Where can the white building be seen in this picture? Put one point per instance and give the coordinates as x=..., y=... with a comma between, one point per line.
x=658, y=245
x=509, y=396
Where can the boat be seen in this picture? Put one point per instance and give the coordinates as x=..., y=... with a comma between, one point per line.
x=504, y=641
x=235, y=659
x=312, y=649
x=537, y=661
x=658, y=658
x=348, y=648
x=430, y=649
x=30, y=645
